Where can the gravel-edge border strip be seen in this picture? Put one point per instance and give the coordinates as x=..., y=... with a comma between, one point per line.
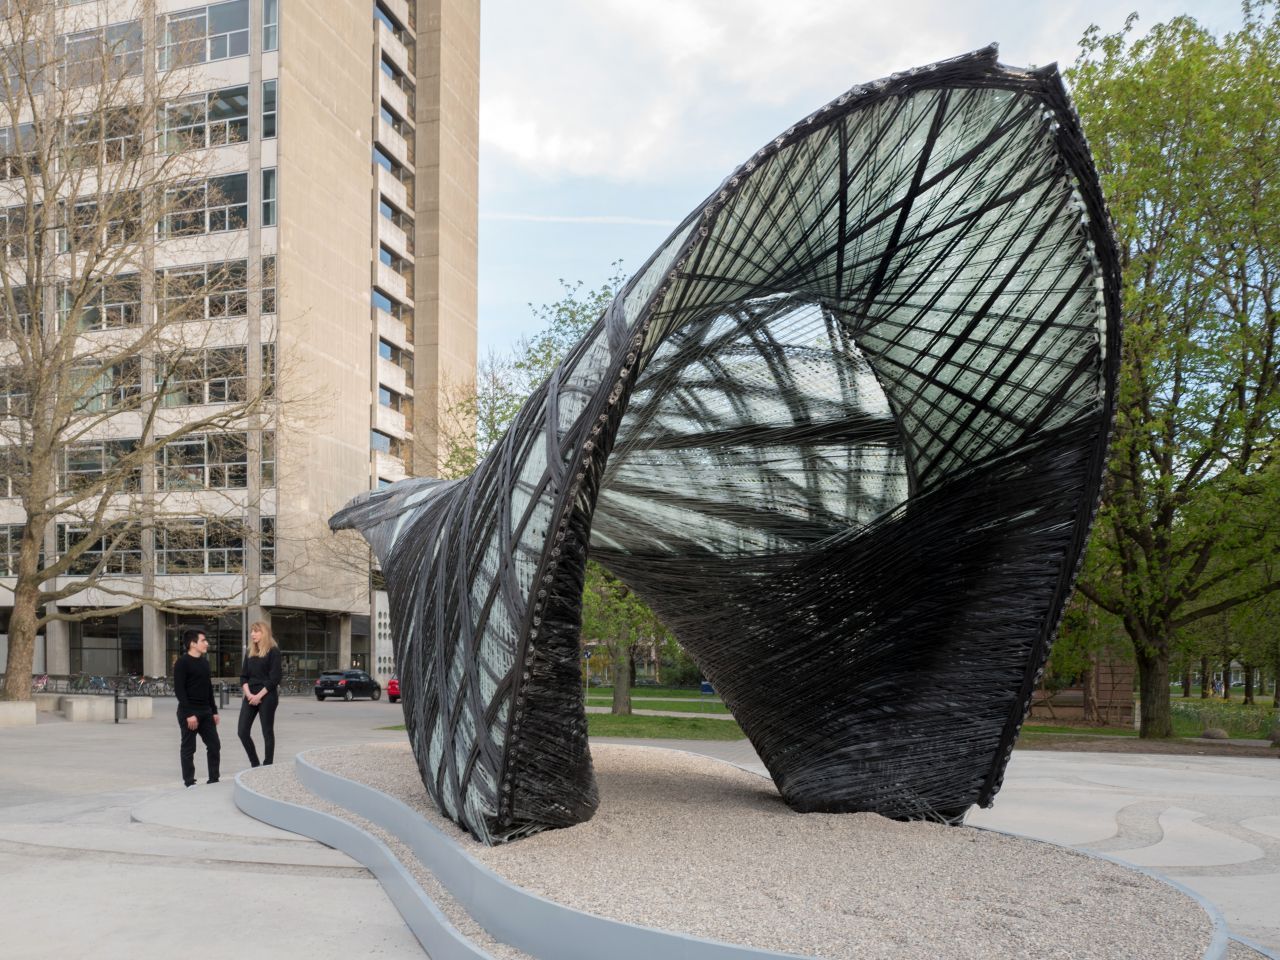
x=1257, y=947
x=1218, y=941
x=438, y=937
x=516, y=916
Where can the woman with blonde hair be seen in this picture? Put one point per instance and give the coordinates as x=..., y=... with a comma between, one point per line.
x=260, y=680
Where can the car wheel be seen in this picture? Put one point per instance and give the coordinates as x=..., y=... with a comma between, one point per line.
x=319, y=696
x=377, y=694
x=346, y=695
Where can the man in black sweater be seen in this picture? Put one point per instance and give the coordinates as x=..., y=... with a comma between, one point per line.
x=197, y=708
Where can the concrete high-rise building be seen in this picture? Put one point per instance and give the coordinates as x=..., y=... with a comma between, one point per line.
x=343, y=139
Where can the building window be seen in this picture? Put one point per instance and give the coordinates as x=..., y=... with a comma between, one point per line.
x=214, y=375
x=93, y=55
x=218, y=31
x=270, y=24
x=14, y=395
x=108, y=136
x=10, y=544
x=268, y=369
x=16, y=314
x=91, y=225
x=216, y=461
x=401, y=311
x=401, y=358
x=208, y=120
x=195, y=545
x=14, y=468
x=18, y=155
x=267, y=470
x=117, y=551
x=269, y=197
x=268, y=284
x=268, y=109
x=383, y=443
x=113, y=303
x=398, y=217
x=217, y=205
x=85, y=465
x=204, y=291
x=267, y=550
x=394, y=401
x=13, y=230
x=107, y=387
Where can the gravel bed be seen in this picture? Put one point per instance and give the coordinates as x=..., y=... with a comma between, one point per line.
x=279, y=782
x=1238, y=951
x=691, y=844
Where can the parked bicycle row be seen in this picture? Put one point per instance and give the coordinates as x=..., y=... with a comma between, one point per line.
x=141, y=686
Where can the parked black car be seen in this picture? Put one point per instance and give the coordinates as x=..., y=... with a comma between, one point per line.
x=347, y=684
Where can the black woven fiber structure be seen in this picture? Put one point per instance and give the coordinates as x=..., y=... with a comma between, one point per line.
x=844, y=432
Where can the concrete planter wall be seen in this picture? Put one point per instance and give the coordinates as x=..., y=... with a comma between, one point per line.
x=17, y=713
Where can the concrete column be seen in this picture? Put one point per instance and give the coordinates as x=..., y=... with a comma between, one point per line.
x=154, y=662
x=57, y=647
x=344, y=641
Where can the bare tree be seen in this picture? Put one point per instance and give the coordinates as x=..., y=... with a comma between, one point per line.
x=135, y=425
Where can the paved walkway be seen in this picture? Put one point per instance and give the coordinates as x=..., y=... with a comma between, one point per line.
x=100, y=849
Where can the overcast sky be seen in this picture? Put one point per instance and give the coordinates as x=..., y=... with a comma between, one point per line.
x=604, y=122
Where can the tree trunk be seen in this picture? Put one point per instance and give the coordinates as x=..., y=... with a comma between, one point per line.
x=22, y=643
x=622, y=681
x=1226, y=676
x=1186, y=680
x=1206, y=681
x=1153, y=682
x=1248, y=684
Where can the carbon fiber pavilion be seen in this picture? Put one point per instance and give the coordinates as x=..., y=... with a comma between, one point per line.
x=845, y=432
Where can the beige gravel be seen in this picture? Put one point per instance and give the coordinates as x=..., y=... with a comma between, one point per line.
x=695, y=845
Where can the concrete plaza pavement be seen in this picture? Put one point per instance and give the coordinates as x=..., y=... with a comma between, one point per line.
x=104, y=854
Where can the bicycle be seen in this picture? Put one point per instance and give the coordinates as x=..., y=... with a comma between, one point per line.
x=38, y=684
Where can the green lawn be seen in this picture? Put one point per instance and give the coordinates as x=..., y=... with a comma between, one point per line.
x=653, y=728
x=685, y=706
x=1080, y=731
x=662, y=728
x=1191, y=716
x=665, y=693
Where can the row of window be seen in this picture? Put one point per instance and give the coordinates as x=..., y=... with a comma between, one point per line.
x=212, y=461
x=196, y=377
x=218, y=31
x=187, y=545
x=201, y=291
x=207, y=119
x=217, y=205
x=216, y=118
x=204, y=34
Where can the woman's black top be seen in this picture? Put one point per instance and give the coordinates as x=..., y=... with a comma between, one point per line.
x=259, y=672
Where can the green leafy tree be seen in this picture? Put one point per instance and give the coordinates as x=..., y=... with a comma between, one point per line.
x=614, y=617
x=1184, y=125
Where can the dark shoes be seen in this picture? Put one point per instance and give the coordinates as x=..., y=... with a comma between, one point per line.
x=214, y=780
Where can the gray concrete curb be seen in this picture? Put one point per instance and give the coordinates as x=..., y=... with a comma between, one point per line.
x=531, y=923
x=1218, y=942
x=439, y=938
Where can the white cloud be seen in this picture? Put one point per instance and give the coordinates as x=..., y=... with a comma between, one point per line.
x=644, y=90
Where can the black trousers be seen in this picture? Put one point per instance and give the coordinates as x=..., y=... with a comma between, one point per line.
x=207, y=730
x=266, y=714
